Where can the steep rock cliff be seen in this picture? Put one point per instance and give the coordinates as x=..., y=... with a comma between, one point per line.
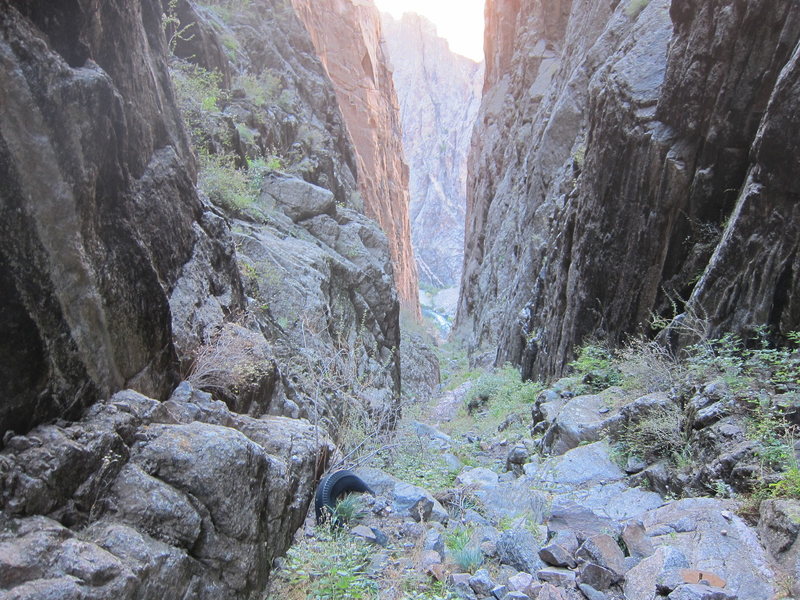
x=118, y=270
x=612, y=147
x=317, y=272
x=348, y=39
x=439, y=93
x=98, y=210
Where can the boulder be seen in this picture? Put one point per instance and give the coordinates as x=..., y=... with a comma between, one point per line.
x=181, y=495
x=556, y=576
x=712, y=539
x=557, y=556
x=519, y=548
x=298, y=199
x=415, y=502
x=604, y=551
x=481, y=583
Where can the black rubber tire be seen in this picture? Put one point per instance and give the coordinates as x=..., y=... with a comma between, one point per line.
x=332, y=487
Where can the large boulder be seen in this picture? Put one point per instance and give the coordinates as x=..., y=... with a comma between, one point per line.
x=147, y=498
x=715, y=540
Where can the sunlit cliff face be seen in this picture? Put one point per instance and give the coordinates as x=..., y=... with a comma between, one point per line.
x=460, y=22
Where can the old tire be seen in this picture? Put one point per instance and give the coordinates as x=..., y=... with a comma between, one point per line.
x=332, y=487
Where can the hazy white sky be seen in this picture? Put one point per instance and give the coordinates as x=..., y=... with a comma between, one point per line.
x=460, y=21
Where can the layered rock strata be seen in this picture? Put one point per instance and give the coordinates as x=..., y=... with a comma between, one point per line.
x=630, y=160
x=439, y=93
x=348, y=39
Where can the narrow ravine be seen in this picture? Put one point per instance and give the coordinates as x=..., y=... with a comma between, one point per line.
x=595, y=487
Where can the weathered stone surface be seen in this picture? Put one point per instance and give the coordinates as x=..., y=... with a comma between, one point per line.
x=598, y=577
x=557, y=576
x=347, y=36
x=98, y=209
x=556, y=555
x=481, y=583
x=166, y=498
x=604, y=551
x=568, y=516
x=439, y=94
x=715, y=540
x=642, y=581
x=636, y=541
x=594, y=132
x=701, y=592
x=583, y=466
x=419, y=373
x=298, y=199
x=519, y=548
x=582, y=419
x=591, y=593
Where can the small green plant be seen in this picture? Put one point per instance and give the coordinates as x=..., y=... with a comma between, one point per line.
x=788, y=486
x=597, y=369
x=468, y=559
x=635, y=7
x=458, y=539
x=658, y=435
x=331, y=567
x=349, y=509
x=171, y=25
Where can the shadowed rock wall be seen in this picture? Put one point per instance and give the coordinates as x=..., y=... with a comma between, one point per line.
x=620, y=162
x=98, y=210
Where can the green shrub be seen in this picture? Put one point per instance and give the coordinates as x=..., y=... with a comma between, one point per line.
x=199, y=93
x=224, y=184
x=788, y=486
x=501, y=399
x=597, y=368
x=330, y=567
x=262, y=90
x=658, y=435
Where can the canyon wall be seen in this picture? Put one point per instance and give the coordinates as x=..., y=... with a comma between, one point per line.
x=439, y=93
x=168, y=218
x=347, y=36
x=98, y=211
x=630, y=160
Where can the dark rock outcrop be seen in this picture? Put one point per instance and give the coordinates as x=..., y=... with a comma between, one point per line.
x=98, y=210
x=439, y=93
x=631, y=162
x=348, y=39
x=142, y=499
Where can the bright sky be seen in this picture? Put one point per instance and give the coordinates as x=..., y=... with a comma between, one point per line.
x=459, y=21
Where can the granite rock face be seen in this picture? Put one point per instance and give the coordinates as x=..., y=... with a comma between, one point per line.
x=100, y=215
x=347, y=36
x=618, y=170
x=439, y=93
x=142, y=499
